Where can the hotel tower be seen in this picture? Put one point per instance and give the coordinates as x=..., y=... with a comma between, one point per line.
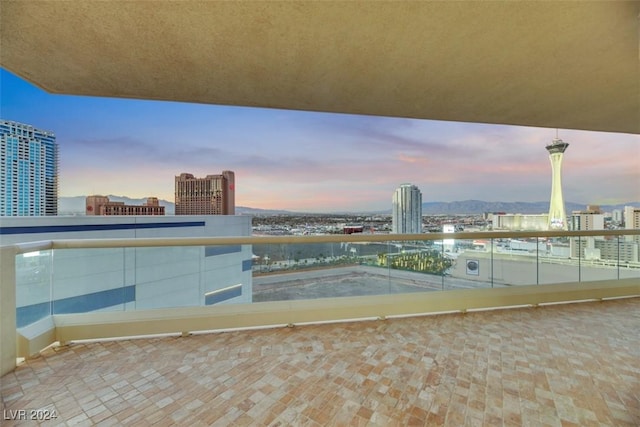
x=557, y=215
x=28, y=170
x=211, y=195
x=407, y=210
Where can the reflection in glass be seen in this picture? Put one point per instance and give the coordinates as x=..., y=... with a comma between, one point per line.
x=33, y=287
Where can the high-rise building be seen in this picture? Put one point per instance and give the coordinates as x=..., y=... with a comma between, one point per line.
x=101, y=205
x=28, y=170
x=212, y=195
x=557, y=215
x=631, y=222
x=407, y=210
x=616, y=216
x=631, y=217
x=587, y=220
x=585, y=247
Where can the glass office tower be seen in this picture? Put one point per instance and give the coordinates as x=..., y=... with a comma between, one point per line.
x=28, y=170
x=407, y=210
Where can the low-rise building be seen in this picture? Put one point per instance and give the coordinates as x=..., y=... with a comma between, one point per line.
x=101, y=205
x=520, y=222
x=617, y=249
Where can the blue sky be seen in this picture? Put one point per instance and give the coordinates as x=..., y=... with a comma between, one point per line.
x=316, y=162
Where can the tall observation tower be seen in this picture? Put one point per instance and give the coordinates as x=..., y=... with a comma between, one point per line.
x=557, y=215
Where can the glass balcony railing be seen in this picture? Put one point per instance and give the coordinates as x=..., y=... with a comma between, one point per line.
x=102, y=279
x=34, y=272
x=68, y=290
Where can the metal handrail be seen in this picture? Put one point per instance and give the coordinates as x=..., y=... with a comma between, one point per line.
x=349, y=238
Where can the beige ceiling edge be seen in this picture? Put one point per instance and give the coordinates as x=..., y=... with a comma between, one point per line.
x=570, y=65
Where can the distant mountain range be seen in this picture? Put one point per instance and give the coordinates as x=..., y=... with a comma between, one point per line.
x=76, y=206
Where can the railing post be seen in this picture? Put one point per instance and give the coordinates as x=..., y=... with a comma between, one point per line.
x=491, y=270
x=579, y=259
x=618, y=269
x=8, y=335
x=388, y=258
x=442, y=255
x=537, y=261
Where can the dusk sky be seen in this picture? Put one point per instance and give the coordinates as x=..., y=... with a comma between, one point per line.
x=315, y=162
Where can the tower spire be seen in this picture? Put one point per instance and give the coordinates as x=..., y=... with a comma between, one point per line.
x=557, y=215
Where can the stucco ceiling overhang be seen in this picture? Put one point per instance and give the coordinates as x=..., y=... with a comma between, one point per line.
x=573, y=65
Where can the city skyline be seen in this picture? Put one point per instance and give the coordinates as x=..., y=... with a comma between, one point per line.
x=314, y=162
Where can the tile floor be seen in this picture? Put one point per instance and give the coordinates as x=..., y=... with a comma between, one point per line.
x=564, y=365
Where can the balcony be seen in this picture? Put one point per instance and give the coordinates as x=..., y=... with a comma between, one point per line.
x=358, y=329
x=513, y=62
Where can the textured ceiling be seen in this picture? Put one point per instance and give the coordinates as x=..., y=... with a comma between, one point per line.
x=571, y=65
